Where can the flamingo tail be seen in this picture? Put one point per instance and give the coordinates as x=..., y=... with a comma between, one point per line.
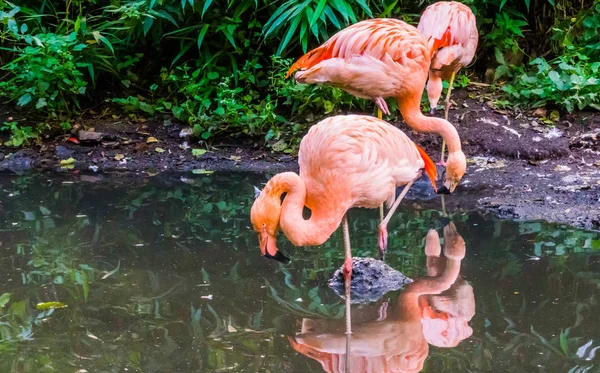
x=308, y=60
x=430, y=168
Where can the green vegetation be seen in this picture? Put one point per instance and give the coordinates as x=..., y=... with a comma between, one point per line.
x=160, y=275
x=219, y=64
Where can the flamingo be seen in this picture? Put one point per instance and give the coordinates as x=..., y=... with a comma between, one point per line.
x=451, y=32
x=379, y=58
x=432, y=310
x=345, y=161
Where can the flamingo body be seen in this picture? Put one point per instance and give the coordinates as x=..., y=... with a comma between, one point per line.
x=345, y=161
x=373, y=59
x=451, y=31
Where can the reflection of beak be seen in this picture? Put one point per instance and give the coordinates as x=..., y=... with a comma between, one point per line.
x=432, y=111
x=268, y=247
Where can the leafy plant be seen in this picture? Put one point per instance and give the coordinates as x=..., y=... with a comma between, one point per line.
x=20, y=135
x=570, y=82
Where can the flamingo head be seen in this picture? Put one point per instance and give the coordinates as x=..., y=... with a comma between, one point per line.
x=456, y=166
x=264, y=215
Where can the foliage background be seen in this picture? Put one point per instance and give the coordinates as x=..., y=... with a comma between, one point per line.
x=219, y=64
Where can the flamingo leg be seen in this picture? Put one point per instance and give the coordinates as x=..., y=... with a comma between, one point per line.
x=383, y=226
x=347, y=280
x=446, y=113
x=381, y=107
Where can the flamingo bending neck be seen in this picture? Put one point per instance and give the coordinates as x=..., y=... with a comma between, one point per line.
x=326, y=213
x=410, y=107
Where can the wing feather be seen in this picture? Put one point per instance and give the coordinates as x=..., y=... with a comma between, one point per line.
x=374, y=37
x=365, y=155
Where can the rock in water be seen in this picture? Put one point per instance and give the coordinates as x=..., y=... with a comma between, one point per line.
x=371, y=279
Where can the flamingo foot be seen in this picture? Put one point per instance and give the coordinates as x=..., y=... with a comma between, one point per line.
x=382, y=105
x=383, y=238
x=383, y=311
x=347, y=269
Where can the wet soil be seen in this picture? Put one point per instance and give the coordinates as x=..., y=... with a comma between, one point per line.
x=518, y=166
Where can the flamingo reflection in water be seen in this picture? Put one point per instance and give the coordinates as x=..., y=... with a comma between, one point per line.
x=432, y=310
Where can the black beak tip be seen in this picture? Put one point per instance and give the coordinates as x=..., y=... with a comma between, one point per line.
x=432, y=111
x=443, y=190
x=279, y=257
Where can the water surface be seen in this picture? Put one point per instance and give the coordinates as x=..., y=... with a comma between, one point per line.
x=164, y=274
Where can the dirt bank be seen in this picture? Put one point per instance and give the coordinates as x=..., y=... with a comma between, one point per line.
x=518, y=167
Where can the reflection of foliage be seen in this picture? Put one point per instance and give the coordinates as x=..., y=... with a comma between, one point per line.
x=175, y=281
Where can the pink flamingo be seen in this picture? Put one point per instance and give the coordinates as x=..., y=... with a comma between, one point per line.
x=345, y=161
x=379, y=58
x=451, y=32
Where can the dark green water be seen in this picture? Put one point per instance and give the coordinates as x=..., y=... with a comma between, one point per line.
x=161, y=275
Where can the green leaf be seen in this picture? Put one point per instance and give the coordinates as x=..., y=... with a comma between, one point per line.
x=198, y=152
x=4, y=299
x=365, y=7
x=499, y=56
x=333, y=18
x=288, y=35
x=41, y=103
x=147, y=25
x=201, y=34
x=564, y=343
x=205, y=7
x=24, y=100
x=318, y=12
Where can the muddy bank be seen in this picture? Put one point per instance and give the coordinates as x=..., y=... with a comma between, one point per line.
x=519, y=167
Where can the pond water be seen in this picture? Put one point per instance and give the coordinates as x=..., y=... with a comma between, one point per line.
x=164, y=274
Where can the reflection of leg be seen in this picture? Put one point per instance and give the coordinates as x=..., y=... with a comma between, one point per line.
x=444, y=213
x=433, y=250
x=383, y=226
x=383, y=311
x=347, y=280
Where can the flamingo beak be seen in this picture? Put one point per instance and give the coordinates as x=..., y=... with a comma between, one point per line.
x=268, y=247
x=432, y=111
x=443, y=190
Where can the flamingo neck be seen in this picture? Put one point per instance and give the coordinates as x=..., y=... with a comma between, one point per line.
x=324, y=220
x=410, y=107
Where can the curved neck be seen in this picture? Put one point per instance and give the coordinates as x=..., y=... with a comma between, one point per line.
x=410, y=107
x=306, y=232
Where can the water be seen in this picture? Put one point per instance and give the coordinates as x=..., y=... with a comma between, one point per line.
x=164, y=275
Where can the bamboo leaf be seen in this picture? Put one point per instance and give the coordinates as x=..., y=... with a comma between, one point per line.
x=202, y=34
x=205, y=7
x=318, y=11
x=288, y=35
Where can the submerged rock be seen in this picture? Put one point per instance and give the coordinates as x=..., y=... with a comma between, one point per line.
x=371, y=279
x=17, y=163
